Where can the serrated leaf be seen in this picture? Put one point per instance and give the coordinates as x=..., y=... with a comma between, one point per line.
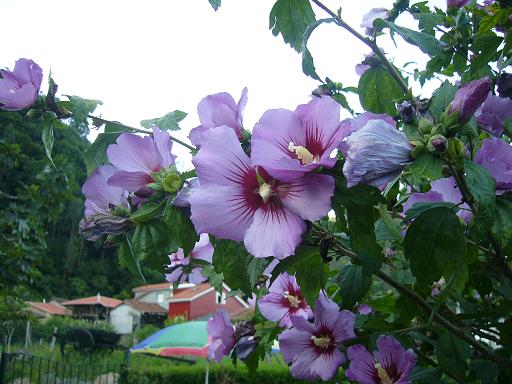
x=128, y=260
x=441, y=98
x=81, y=109
x=152, y=242
x=290, y=18
x=354, y=283
x=148, y=211
x=215, y=279
x=169, y=122
x=379, y=91
x=420, y=207
x=427, y=166
x=180, y=227
x=428, y=20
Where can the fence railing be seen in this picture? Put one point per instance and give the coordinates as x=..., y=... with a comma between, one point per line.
x=24, y=368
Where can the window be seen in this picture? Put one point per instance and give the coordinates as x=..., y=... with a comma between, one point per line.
x=160, y=298
x=221, y=298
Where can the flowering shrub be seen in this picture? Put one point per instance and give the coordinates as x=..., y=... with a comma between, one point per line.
x=390, y=231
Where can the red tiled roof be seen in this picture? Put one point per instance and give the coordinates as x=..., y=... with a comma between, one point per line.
x=151, y=287
x=145, y=307
x=51, y=308
x=107, y=302
x=189, y=293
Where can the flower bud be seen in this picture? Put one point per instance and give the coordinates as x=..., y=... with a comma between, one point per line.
x=407, y=111
x=469, y=98
x=34, y=114
x=455, y=148
x=171, y=183
x=437, y=143
x=425, y=126
x=504, y=84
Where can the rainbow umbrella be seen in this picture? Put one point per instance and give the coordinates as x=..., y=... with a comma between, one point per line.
x=185, y=339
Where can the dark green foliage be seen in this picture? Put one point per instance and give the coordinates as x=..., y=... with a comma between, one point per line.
x=379, y=91
x=169, y=122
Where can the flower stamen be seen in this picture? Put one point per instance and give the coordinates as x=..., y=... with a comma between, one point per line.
x=265, y=191
x=303, y=154
x=294, y=300
x=383, y=375
x=322, y=342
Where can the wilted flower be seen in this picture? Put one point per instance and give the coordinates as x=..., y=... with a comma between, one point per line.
x=496, y=156
x=407, y=111
x=179, y=267
x=284, y=300
x=19, y=88
x=504, y=85
x=312, y=350
x=289, y=144
x=371, y=16
x=390, y=364
x=217, y=110
x=376, y=154
x=93, y=227
x=239, y=201
x=222, y=332
x=470, y=97
x=493, y=113
x=137, y=157
x=438, y=286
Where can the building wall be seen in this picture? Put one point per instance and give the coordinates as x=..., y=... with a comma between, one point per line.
x=152, y=297
x=180, y=309
x=124, y=318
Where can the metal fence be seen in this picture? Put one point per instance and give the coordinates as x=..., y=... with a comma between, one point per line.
x=24, y=368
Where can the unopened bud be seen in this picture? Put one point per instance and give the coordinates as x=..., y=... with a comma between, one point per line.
x=437, y=143
x=171, y=183
x=455, y=148
x=425, y=126
x=407, y=111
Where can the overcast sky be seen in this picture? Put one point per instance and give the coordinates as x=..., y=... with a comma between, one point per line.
x=144, y=59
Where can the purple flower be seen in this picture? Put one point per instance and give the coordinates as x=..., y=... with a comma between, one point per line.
x=284, y=300
x=289, y=144
x=137, y=157
x=182, y=198
x=361, y=68
x=438, y=286
x=376, y=154
x=203, y=250
x=391, y=363
x=496, y=156
x=217, y=110
x=492, y=114
x=19, y=88
x=371, y=16
x=364, y=309
x=456, y=3
x=222, y=332
x=312, y=350
x=470, y=97
x=441, y=190
x=504, y=85
x=239, y=201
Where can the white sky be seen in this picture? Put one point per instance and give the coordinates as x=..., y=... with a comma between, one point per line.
x=144, y=59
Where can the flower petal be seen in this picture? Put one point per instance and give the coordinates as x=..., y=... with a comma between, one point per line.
x=164, y=146
x=393, y=357
x=134, y=153
x=130, y=181
x=362, y=366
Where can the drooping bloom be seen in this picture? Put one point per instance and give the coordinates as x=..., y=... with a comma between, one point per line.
x=441, y=190
x=376, y=154
x=137, y=157
x=371, y=16
x=496, y=156
x=470, y=97
x=390, y=364
x=222, y=332
x=284, y=300
x=456, y=3
x=312, y=350
x=203, y=250
x=239, y=201
x=289, y=144
x=217, y=110
x=101, y=200
x=19, y=88
x=493, y=113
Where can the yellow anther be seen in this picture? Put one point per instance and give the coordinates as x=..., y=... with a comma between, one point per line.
x=302, y=154
x=322, y=342
x=383, y=375
x=265, y=191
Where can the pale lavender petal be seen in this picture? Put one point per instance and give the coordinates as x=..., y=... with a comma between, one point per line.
x=343, y=328
x=196, y=135
x=175, y=276
x=28, y=72
x=362, y=68
x=470, y=97
x=222, y=332
x=417, y=197
x=496, y=156
x=281, y=229
x=309, y=196
x=372, y=15
x=130, y=181
x=196, y=276
x=134, y=153
x=394, y=358
x=292, y=343
x=362, y=366
x=364, y=309
x=308, y=365
x=326, y=311
x=164, y=146
x=302, y=324
x=99, y=195
x=19, y=89
x=493, y=113
x=272, y=309
x=182, y=199
x=240, y=107
x=203, y=249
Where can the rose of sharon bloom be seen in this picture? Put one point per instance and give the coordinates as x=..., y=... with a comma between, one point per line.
x=239, y=201
x=371, y=16
x=217, y=110
x=284, y=300
x=456, y=3
x=203, y=250
x=222, y=332
x=441, y=190
x=376, y=154
x=313, y=349
x=289, y=144
x=492, y=114
x=496, y=156
x=390, y=364
x=182, y=198
x=137, y=157
x=19, y=88
x=470, y=97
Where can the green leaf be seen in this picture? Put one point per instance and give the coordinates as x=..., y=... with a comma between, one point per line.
x=420, y=207
x=428, y=20
x=502, y=226
x=421, y=373
x=81, y=109
x=181, y=227
x=427, y=43
x=483, y=188
x=48, y=139
x=452, y=354
x=427, y=166
x=379, y=91
x=96, y=153
x=308, y=66
x=441, y=98
x=434, y=243
x=485, y=45
x=215, y=279
x=168, y=122
x=354, y=284
x=127, y=258
x=152, y=242
x=148, y=211
x=309, y=270
x=215, y=4
x=290, y=18
x=483, y=370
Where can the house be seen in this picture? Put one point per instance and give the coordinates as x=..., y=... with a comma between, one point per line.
x=157, y=293
x=46, y=310
x=93, y=308
x=132, y=314
x=201, y=301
